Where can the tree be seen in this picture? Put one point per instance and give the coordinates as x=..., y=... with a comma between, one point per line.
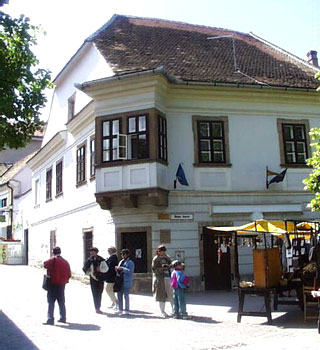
x=312, y=183
x=22, y=83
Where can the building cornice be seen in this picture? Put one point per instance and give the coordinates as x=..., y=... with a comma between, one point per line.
x=48, y=150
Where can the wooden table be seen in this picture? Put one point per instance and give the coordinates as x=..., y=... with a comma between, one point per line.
x=263, y=292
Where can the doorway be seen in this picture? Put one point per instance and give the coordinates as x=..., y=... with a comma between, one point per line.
x=136, y=242
x=217, y=274
x=87, y=244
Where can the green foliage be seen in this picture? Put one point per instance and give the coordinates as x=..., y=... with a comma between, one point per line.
x=312, y=183
x=22, y=83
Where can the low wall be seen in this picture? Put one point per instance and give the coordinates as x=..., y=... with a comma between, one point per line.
x=12, y=253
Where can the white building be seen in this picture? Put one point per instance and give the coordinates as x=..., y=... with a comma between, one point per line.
x=142, y=96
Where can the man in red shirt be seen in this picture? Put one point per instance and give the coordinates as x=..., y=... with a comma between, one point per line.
x=59, y=270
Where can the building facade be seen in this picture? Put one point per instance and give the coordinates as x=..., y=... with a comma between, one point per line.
x=156, y=133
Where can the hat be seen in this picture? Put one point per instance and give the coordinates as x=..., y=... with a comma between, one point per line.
x=94, y=249
x=176, y=263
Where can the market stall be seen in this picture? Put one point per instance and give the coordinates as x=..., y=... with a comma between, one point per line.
x=268, y=270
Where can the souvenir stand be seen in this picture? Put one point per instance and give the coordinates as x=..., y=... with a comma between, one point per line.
x=267, y=262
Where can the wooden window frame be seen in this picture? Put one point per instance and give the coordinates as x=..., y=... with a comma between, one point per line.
x=92, y=157
x=49, y=184
x=196, y=120
x=3, y=202
x=110, y=137
x=59, y=178
x=162, y=138
x=81, y=165
x=153, y=147
x=281, y=122
x=140, y=133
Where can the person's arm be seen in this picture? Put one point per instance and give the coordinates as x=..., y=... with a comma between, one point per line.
x=47, y=264
x=129, y=269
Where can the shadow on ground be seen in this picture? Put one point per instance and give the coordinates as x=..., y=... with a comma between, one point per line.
x=12, y=337
x=79, y=326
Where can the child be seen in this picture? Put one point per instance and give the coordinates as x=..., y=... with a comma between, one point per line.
x=179, y=282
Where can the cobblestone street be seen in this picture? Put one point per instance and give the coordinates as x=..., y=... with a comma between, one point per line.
x=23, y=309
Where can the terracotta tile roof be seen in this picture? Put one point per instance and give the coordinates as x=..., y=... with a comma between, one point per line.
x=132, y=44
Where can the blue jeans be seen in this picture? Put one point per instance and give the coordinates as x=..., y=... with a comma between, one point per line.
x=179, y=302
x=124, y=292
x=56, y=293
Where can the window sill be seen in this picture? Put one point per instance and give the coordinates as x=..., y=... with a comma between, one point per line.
x=130, y=161
x=79, y=184
x=212, y=165
x=301, y=166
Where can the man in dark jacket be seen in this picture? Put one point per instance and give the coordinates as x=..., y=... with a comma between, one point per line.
x=112, y=262
x=59, y=271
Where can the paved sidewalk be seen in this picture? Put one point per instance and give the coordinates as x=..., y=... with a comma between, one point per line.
x=213, y=325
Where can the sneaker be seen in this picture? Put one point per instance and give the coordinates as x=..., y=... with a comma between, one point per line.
x=62, y=320
x=175, y=316
x=98, y=311
x=116, y=307
x=111, y=306
x=49, y=322
x=118, y=312
x=164, y=315
x=126, y=312
x=186, y=317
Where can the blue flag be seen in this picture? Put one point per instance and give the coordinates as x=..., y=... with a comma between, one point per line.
x=180, y=176
x=277, y=178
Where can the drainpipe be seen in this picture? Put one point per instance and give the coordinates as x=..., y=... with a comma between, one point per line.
x=11, y=210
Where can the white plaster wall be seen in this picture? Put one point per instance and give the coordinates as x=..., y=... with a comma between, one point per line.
x=89, y=65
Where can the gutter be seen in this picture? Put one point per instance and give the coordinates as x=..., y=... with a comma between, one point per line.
x=11, y=209
x=174, y=80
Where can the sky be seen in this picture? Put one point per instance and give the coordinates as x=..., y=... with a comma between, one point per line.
x=293, y=25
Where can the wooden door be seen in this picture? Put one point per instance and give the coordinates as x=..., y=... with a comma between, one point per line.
x=136, y=242
x=216, y=275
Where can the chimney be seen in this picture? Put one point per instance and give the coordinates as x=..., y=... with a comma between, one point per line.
x=312, y=58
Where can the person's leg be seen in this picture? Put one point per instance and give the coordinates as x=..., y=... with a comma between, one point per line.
x=162, y=305
x=110, y=292
x=176, y=302
x=182, y=302
x=120, y=299
x=61, y=303
x=169, y=291
x=96, y=293
x=99, y=294
x=126, y=299
x=51, y=296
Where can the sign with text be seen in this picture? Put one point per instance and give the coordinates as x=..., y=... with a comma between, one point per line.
x=181, y=217
x=3, y=253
